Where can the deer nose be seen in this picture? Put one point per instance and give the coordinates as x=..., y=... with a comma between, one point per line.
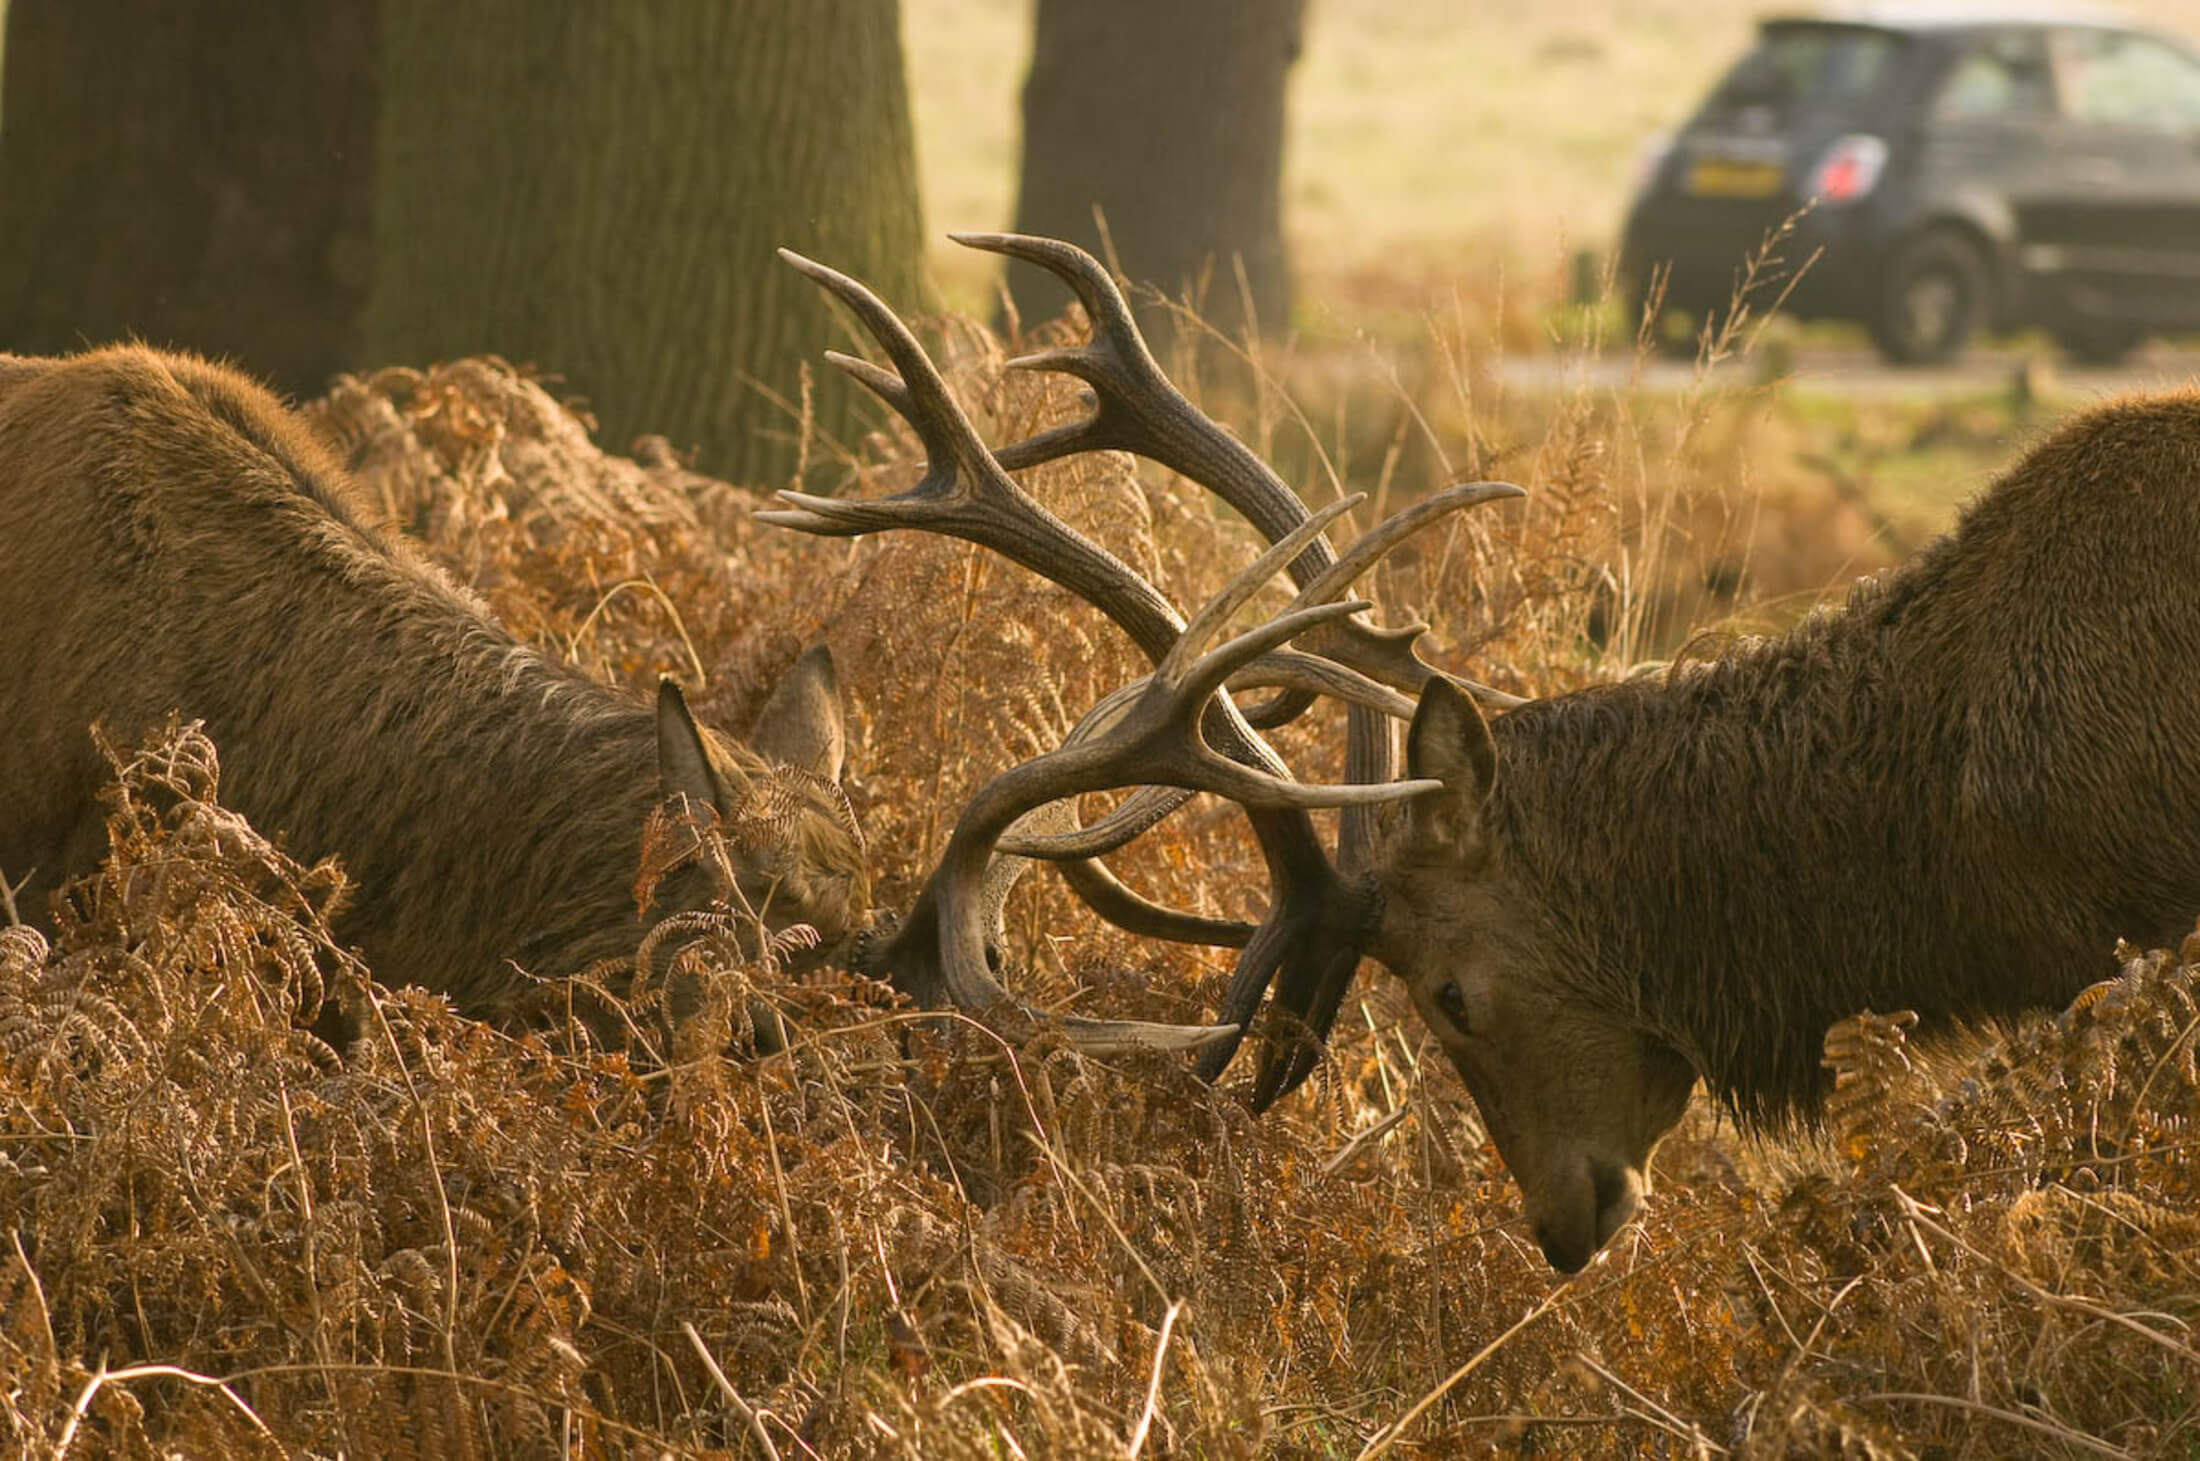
x=1563, y=1251
x=1619, y=1197
x=1570, y=1241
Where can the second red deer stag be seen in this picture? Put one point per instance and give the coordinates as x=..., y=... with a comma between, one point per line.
x=1953, y=796
x=172, y=539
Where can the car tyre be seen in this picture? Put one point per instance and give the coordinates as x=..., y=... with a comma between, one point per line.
x=1935, y=299
x=1674, y=334
x=2099, y=343
x=1668, y=333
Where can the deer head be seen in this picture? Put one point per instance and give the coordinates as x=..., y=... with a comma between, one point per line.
x=1423, y=889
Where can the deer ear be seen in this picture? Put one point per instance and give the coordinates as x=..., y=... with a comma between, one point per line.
x=1450, y=742
x=800, y=725
x=684, y=765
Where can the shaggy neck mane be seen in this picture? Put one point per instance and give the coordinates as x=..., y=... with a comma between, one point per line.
x=386, y=719
x=1742, y=853
x=514, y=790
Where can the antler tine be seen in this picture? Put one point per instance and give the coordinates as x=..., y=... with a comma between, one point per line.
x=877, y=379
x=1377, y=542
x=940, y=949
x=1248, y=581
x=1099, y=888
x=1105, y=895
x=1313, y=674
x=1392, y=650
x=1151, y=738
x=964, y=492
x=920, y=395
x=1073, y=842
x=1146, y=808
x=1155, y=739
x=1285, y=669
x=1138, y=410
x=955, y=486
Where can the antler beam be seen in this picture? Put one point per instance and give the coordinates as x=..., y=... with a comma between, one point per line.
x=1174, y=733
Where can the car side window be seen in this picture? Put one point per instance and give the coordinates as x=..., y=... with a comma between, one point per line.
x=2116, y=79
x=1998, y=76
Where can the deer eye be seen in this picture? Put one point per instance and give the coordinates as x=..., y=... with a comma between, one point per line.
x=1453, y=1004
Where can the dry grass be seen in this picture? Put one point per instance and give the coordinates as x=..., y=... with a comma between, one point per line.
x=898, y=1238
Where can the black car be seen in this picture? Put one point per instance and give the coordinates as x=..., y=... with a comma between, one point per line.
x=1943, y=176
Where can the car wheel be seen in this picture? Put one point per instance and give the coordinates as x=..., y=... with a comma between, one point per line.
x=1666, y=332
x=1933, y=302
x=1674, y=334
x=2099, y=344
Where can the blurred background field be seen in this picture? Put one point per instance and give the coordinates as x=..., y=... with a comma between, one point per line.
x=1434, y=147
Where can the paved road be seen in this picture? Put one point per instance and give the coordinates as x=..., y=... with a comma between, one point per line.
x=1857, y=373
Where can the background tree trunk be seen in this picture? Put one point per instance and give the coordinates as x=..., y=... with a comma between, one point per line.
x=598, y=189
x=193, y=174
x=1168, y=115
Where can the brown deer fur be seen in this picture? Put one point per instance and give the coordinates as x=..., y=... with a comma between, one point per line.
x=1954, y=796
x=172, y=539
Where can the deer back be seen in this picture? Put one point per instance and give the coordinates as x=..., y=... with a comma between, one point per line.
x=173, y=540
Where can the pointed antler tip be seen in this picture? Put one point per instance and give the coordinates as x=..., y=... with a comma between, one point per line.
x=1058, y=358
x=847, y=287
x=816, y=524
x=1328, y=513
x=869, y=373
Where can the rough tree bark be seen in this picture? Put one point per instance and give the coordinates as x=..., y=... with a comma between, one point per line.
x=1167, y=115
x=598, y=189
x=196, y=175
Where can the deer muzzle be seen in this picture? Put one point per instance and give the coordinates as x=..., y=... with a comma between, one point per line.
x=1578, y=1213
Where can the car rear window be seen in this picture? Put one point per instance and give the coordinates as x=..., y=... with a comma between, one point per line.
x=1803, y=67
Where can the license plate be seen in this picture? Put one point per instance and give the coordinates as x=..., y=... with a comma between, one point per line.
x=1712, y=177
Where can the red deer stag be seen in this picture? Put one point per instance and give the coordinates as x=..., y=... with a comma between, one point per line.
x=173, y=539
x=1953, y=796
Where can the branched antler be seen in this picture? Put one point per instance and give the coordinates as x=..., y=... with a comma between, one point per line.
x=1174, y=733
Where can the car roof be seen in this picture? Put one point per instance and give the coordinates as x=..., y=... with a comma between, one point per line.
x=1941, y=15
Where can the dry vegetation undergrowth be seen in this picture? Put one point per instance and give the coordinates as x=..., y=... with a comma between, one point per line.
x=896, y=1237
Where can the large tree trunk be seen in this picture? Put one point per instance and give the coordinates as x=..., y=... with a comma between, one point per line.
x=598, y=189
x=196, y=175
x=1168, y=116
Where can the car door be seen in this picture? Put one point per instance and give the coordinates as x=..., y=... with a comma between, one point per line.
x=2124, y=229
x=1987, y=136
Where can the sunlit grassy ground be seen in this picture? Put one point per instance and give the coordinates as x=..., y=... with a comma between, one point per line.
x=896, y=1240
